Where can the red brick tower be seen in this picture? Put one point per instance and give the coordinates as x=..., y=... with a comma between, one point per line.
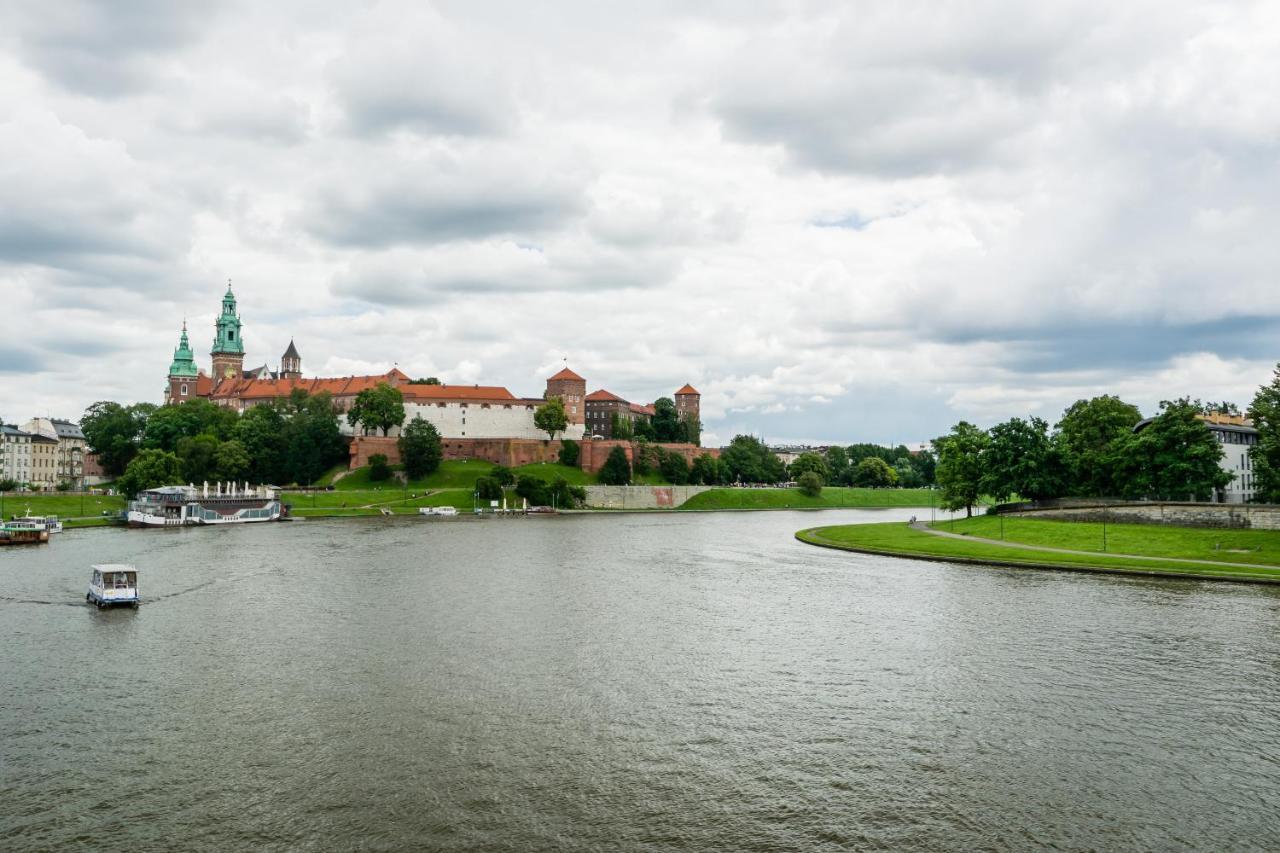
x=572, y=391
x=688, y=403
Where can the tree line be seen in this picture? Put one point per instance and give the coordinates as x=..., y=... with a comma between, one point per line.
x=868, y=465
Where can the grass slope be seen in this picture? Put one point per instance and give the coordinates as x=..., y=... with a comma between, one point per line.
x=452, y=474
x=549, y=471
x=898, y=539
x=63, y=506
x=831, y=498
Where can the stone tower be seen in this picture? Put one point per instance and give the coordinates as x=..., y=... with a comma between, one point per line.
x=228, y=347
x=572, y=391
x=688, y=403
x=291, y=363
x=182, y=372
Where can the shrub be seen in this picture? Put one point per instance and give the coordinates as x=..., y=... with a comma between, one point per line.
x=488, y=489
x=502, y=475
x=569, y=453
x=674, y=469
x=810, y=483
x=8, y=485
x=535, y=491
x=379, y=470
x=616, y=470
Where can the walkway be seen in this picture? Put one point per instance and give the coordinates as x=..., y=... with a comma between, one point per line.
x=924, y=528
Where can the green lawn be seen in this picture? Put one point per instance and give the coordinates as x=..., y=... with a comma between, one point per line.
x=899, y=539
x=452, y=474
x=549, y=471
x=352, y=503
x=62, y=505
x=832, y=498
x=1188, y=543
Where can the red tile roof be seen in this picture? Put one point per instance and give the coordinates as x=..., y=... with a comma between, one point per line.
x=688, y=389
x=642, y=410
x=604, y=396
x=204, y=384
x=271, y=389
x=456, y=392
x=567, y=374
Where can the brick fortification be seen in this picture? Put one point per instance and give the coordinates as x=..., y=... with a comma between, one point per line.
x=513, y=452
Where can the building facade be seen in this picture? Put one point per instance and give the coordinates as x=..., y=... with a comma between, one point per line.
x=69, y=448
x=1238, y=437
x=15, y=455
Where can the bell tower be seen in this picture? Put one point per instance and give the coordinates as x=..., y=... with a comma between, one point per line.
x=228, y=346
x=291, y=363
x=182, y=372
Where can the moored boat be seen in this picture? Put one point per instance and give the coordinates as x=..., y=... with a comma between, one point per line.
x=178, y=506
x=437, y=510
x=113, y=584
x=48, y=522
x=23, y=532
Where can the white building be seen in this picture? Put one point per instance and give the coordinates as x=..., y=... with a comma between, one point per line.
x=70, y=450
x=15, y=455
x=1238, y=437
x=472, y=411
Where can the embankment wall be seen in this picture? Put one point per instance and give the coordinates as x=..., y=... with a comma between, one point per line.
x=1241, y=516
x=640, y=497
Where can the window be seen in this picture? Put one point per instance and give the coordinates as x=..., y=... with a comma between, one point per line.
x=231, y=336
x=184, y=390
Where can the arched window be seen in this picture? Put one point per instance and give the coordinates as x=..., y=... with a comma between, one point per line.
x=184, y=389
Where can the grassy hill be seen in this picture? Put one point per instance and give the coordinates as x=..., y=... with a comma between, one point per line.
x=832, y=497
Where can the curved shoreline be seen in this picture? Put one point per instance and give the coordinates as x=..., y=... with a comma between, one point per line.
x=811, y=536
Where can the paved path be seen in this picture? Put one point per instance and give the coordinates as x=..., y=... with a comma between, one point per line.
x=924, y=528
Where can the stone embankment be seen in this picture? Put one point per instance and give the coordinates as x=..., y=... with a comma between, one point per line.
x=640, y=497
x=1179, y=514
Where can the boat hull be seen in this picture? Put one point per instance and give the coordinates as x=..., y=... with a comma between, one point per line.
x=197, y=514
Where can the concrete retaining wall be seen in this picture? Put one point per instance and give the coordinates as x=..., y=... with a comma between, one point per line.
x=640, y=497
x=1254, y=516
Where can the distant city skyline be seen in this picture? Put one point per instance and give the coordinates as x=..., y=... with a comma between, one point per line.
x=839, y=222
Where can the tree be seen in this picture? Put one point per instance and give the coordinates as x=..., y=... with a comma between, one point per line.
x=379, y=470
x=231, y=462
x=261, y=431
x=674, y=468
x=837, y=464
x=810, y=483
x=488, y=489
x=380, y=407
x=747, y=460
x=536, y=491
x=666, y=421
x=551, y=418
x=430, y=380
x=810, y=461
x=150, y=469
x=1087, y=436
x=420, y=448
x=619, y=427
x=908, y=475
x=569, y=453
x=1265, y=456
x=502, y=475
x=8, y=485
x=114, y=432
x=1174, y=457
x=168, y=425
x=312, y=443
x=1021, y=459
x=873, y=472
x=706, y=470
x=692, y=429
x=960, y=466
x=198, y=457
x=616, y=470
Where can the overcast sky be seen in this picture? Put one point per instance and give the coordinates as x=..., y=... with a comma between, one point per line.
x=843, y=221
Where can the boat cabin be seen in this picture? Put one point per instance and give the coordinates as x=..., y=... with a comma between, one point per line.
x=113, y=584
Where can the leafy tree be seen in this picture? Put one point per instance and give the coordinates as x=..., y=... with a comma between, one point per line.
x=926, y=463
x=1222, y=408
x=874, y=472
x=706, y=470
x=1265, y=456
x=1174, y=457
x=692, y=429
x=674, y=468
x=430, y=380
x=261, y=431
x=569, y=453
x=198, y=457
x=666, y=422
x=380, y=407
x=616, y=470
x=645, y=457
x=168, y=425
x=536, y=491
x=810, y=483
x=642, y=428
x=420, y=448
x=837, y=464
x=810, y=461
x=551, y=418
x=231, y=462
x=8, y=485
x=747, y=460
x=1087, y=436
x=502, y=475
x=619, y=427
x=488, y=489
x=150, y=469
x=379, y=470
x=312, y=441
x=1021, y=459
x=114, y=432
x=960, y=466
x=908, y=475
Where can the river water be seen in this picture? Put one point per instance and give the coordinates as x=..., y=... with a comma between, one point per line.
x=622, y=682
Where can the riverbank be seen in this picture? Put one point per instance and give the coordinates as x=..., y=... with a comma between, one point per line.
x=1156, y=557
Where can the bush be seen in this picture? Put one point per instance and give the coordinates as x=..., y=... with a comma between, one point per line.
x=379, y=470
x=569, y=453
x=64, y=486
x=674, y=469
x=810, y=483
x=535, y=491
x=488, y=489
x=502, y=475
x=616, y=470
x=420, y=448
x=8, y=485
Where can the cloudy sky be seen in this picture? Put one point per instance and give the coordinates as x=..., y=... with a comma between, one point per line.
x=840, y=221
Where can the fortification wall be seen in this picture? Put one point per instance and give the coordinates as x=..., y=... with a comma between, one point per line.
x=1253, y=516
x=640, y=497
x=511, y=452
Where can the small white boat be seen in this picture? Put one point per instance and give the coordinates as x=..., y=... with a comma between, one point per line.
x=48, y=522
x=437, y=510
x=113, y=584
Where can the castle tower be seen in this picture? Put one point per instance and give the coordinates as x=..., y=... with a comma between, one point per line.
x=291, y=363
x=228, y=347
x=182, y=372
x=572, y=391
x=688, y=403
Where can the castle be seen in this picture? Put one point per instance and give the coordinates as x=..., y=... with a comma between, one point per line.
x=462, y=412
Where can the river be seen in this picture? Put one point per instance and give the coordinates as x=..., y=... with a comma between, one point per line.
x=663, y=682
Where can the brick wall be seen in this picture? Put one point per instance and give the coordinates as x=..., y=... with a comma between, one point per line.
x=1254, y=516
x=513, y=452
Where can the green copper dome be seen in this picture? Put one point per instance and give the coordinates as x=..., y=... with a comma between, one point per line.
x=227, y=339
x=184, y=360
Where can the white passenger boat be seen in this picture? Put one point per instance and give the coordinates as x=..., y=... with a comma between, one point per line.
x=113, y=584
x=22, y=533
x=437, y=510
x=229, y=503
x=48, y=522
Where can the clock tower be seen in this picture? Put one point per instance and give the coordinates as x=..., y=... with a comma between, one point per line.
x=228, y=347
